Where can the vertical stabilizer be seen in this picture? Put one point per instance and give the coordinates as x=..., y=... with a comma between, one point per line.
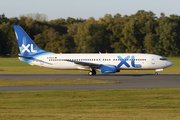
x=26, y=46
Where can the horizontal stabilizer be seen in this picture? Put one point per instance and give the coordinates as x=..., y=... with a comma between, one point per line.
x=25, y=57
x=19, y=56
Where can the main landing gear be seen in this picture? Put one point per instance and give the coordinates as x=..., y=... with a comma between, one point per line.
x=93, y=72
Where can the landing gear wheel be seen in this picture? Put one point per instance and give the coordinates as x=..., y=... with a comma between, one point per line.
x=94, y=72
x=90, y=73
x=156, y=73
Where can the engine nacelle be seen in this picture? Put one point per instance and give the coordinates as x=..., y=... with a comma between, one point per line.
x=108, y=69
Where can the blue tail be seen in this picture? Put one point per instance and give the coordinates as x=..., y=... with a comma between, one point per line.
x=26, y=46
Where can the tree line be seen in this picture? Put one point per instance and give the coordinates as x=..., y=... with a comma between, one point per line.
x=142, y=32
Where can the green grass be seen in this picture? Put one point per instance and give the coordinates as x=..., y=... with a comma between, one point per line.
x=50, y=82
x=123, y=104
x=14, y=65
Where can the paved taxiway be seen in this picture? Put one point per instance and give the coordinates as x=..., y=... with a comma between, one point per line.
x=129, y=81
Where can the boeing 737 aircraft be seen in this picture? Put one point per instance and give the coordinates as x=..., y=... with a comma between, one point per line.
x=105, y=63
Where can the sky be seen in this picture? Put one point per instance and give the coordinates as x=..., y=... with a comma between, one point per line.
x=85, y=9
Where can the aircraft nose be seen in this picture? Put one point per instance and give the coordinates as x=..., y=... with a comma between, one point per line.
x=169, y=63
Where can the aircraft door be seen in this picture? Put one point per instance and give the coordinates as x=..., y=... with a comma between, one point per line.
x=153, y=60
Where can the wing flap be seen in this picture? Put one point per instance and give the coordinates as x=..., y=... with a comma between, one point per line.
x=92, y=65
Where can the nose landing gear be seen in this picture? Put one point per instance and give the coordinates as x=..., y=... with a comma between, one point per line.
x=156, y=73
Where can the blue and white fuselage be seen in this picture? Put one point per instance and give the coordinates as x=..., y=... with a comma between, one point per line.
x=105, y=63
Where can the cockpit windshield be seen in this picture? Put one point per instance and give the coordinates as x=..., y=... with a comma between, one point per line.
x=163, y=58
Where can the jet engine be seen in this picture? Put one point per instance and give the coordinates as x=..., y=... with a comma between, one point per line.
x=108, y=69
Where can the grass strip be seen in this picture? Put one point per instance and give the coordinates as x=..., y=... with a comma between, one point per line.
x=50, y=82
x=124, y=104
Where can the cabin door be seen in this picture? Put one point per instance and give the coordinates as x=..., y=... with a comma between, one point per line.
x=153, y=60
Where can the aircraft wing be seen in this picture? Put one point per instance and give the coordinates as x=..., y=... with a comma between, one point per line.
x=92, y=65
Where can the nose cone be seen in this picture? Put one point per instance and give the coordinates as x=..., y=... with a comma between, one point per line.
x=169, y=63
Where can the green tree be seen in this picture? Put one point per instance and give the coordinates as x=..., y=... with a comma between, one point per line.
x=168, y=33
x=5, y=45
x=115, y=37
x=92, y=36
x=150, y=38
x=59, y=25
x=145, y=30
x=130, y=36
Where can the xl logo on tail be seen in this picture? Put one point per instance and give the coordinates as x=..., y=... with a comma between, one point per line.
x=26, y=48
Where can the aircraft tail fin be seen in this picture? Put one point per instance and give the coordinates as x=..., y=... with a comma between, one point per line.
x=26, y=45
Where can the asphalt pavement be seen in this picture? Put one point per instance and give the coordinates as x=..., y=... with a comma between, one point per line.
x=128, y=81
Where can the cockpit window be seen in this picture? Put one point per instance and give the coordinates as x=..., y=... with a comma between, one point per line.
x=163, y=58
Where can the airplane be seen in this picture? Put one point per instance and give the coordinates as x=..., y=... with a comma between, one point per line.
x=105, y=63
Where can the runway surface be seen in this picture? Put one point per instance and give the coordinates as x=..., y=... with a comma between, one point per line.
x=129, y=81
